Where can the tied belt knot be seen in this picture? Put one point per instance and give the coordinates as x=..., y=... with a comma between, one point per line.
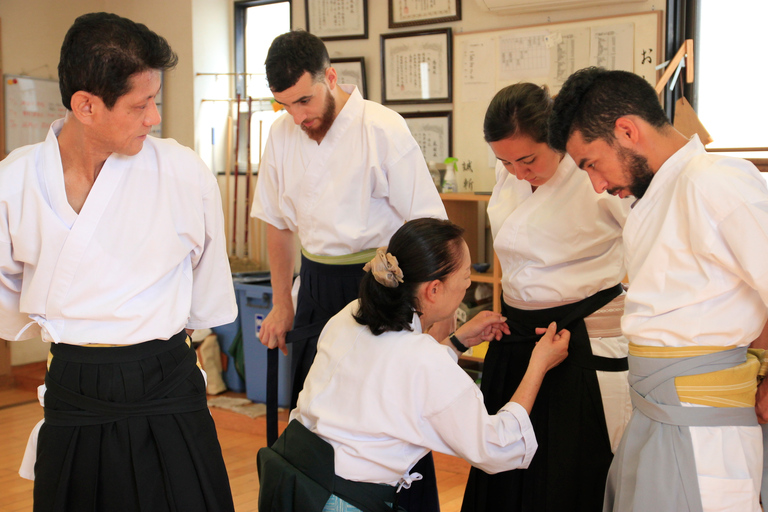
x=657, y=447
x=523, y=323
x=94, y=411
x=653, y=392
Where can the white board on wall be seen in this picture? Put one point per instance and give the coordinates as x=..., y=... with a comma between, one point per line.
x=487, y=61
x=31, y=105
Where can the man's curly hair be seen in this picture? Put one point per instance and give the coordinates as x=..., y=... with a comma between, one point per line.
x=591, y=101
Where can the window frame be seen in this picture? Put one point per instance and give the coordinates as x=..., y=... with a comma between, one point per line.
x=241, y=13
x=683, y=22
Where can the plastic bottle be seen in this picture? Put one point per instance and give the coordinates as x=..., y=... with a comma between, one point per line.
x=450, y=184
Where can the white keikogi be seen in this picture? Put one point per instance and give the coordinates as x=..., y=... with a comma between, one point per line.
x=352, y=191
x=143, y=259
x=696, y=245
x=560, y=245
x=404, y=394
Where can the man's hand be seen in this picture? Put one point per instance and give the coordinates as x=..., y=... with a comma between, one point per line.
x=277, y=323
x=280, y=320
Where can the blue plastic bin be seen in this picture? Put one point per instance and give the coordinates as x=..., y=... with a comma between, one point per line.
x=254, y=300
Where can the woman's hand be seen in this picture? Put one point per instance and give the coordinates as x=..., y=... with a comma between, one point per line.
x=551, y=349
x=485, y=326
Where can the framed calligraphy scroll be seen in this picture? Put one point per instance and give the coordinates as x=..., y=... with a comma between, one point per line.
x=488, y=60
x=434, y=133
x=416, y=67
x=351, y=71
x=332, y=20
x=406, y=13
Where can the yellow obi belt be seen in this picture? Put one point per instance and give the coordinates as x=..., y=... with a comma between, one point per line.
x=361, y=257
x=732, y=387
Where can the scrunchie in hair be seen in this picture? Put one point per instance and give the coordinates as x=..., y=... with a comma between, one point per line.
x=384, y=268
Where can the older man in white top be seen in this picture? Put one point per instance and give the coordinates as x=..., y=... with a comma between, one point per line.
x=111, y=246
x=695, y=242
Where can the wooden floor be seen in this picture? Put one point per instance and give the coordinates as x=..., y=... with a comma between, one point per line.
x=240, y=438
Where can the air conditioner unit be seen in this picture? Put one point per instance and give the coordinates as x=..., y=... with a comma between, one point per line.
x=525, y=6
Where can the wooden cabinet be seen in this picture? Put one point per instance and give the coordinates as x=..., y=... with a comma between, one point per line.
x=468, y=211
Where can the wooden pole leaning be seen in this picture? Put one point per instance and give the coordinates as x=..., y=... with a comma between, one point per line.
x=248, y=179
x=237, y=159
x=227, y=174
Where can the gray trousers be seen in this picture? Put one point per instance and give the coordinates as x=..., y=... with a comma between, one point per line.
x=654, y=469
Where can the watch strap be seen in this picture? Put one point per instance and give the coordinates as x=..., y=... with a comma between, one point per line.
x=456, y=343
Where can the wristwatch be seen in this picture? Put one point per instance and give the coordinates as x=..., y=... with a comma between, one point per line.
x=456, y=343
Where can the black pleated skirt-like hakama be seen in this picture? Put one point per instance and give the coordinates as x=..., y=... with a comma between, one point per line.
x=128, y=429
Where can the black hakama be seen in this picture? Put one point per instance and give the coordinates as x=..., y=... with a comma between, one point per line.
x=569, y=469
x=296, y=474
x=128, y=429
x=325, y=290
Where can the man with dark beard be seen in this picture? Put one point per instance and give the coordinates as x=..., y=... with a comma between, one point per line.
x=344, y=174
x=695, y=244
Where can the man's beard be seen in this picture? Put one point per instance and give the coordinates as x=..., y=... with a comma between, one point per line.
x=637, y=170
x=326, y=121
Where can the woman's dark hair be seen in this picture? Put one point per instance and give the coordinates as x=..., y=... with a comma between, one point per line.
x=426, y=249
x=101, y=52
x=291, y=55
x=592, y=99
x=522, y=108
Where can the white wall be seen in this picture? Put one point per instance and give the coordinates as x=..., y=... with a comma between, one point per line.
x=172, y=19
x=32, y=32
x=473, y=19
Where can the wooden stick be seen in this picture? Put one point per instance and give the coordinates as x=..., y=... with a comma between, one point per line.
x=257, y=222
x=248, y=180
x=227, y=173
x=689, y=74
x=237, y=150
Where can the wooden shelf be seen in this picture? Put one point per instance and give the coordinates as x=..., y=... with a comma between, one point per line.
x=487, y=277
x=465, y=196
x=471, y=363
x=462, y=209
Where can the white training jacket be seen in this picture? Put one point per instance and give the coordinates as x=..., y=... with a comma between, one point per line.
x=352, y=191
x=144, y=258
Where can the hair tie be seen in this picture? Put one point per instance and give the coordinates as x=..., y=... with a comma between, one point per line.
x=385, y=269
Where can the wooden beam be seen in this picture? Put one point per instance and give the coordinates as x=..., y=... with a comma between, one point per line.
x=685, y=52
x=5, y=346
x=2, y=100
